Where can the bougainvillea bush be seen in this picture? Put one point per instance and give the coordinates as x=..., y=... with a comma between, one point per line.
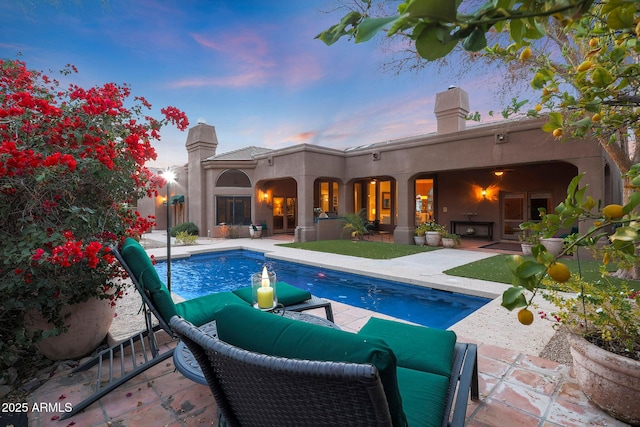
x=72, y=166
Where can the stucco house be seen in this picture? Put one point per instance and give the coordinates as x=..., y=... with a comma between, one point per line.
x=494, y=176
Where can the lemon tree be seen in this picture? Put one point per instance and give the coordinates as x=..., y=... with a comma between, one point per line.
x=530, y=274
x=581, y=55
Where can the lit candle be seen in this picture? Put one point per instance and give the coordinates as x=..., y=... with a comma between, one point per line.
x=265, y=292
x=265, y=277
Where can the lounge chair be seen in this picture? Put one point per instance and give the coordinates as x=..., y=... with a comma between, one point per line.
x=157, y=303
x=267, y=370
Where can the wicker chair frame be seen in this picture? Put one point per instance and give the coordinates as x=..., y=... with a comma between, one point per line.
x=252, y=389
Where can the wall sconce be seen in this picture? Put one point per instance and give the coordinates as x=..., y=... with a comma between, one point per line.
x=498, y=172
x=264, y=197
x=483, y=192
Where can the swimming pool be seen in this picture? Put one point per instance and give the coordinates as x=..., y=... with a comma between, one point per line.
x=202, y=274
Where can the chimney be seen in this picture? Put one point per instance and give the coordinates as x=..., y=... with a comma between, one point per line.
x=452, y=108
x=203, y=139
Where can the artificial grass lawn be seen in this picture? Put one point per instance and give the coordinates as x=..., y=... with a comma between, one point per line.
x=495, y=269
x=361, y=248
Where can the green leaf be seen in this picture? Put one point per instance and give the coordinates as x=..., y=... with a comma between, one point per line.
x=593, y=107
x=517, y=30
x=621, y=17
x=601, y=77
x=626, y=234
x=529, y=269
x=333, y=34
x=513, y=298
x=431, y=44
x=634, y=201
x=369, y=27
x=434, y=10
x=554, y=122
x=476, y=41
x=573, y=185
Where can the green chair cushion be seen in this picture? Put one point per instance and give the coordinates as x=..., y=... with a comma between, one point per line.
x=287, y=294
x=198, y=311
x=415, y=347
x=205, y=309
x=267, y=333
x=423, y=396
x=140, y=264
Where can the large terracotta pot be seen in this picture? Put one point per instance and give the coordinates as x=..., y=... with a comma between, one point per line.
x=88, y=325
x=610, y=381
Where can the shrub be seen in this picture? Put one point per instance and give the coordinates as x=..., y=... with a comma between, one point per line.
x=188, y=227
x=184, y=238
x=71, y=166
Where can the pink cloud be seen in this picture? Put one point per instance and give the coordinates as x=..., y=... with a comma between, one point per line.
x=248, y=59
x=248, y=79
x=301, y=138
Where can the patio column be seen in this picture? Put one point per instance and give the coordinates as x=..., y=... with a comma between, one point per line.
x=403, y=232
x=305, y=230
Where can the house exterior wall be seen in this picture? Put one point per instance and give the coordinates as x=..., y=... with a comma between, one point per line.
x=461, y=162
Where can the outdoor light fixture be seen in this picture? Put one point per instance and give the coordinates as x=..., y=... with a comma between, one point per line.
x=484, y=193
x=498, y=172
x=170, y=177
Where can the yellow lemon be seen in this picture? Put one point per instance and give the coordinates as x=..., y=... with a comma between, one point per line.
x=525, y=54
x=595, y=118
x=559, y=272
x=557, y=133
x=594, y=42
x=585, y=66
x=538, y=108
x=612, y=211
x=525, y=316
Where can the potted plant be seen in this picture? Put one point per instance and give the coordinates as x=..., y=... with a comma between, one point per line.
x=355, y=225
x=528, y=239
x=71, y=170
x=418, y=235
x=433, y=233
x=603, y=316
x=450, y=240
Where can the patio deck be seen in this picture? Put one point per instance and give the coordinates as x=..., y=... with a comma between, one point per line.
x=517, y=388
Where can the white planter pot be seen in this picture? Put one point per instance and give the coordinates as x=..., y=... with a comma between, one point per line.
x=553, y=244
x=448, y=242
x=419, y=240
x=526, y=248
x=255, y=234
x=433, y=238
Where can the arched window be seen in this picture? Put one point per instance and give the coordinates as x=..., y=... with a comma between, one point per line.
x=233, y=207
x=233, y=178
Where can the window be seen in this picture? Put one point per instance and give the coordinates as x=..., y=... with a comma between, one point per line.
x=326, y=196
x=233, y=210
x=233, y=178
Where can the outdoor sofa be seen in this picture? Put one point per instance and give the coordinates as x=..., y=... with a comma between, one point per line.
x=268, y=370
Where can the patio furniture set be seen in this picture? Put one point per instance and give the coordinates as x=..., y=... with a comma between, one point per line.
x=291, y=368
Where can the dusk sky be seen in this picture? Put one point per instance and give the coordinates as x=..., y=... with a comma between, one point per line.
x=250, y=68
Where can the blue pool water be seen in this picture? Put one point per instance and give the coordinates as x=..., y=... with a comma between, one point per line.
x=224, y=271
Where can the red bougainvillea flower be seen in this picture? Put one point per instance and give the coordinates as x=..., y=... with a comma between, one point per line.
x=72, y=166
